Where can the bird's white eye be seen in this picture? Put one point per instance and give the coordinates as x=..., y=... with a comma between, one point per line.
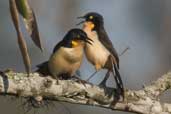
x=91, y=17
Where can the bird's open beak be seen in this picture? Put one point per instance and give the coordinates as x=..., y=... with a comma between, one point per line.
x=82, y=17
x=80, y=23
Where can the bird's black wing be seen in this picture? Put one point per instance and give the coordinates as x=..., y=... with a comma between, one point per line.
x=43, y=68
x=104, y=39
x=58, y=45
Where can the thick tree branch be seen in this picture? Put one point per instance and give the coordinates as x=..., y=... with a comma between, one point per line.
x=143, y=101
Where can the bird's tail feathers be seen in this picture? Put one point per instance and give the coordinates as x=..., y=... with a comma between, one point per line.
x=43, y=68
x=118, y=79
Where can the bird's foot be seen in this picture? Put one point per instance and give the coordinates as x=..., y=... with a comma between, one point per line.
x=77, y=79
x=121, y=93
x=117, y=96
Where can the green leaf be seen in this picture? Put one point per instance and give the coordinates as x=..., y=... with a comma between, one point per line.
x=30, y=21
x=23, y=8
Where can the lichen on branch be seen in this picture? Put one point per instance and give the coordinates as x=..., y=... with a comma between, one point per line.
x=144, y=101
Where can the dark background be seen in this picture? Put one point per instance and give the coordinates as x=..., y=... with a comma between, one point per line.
x=143, y=25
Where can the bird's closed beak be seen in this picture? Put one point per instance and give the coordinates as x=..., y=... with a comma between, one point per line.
x=86, y=39
x=81, y=17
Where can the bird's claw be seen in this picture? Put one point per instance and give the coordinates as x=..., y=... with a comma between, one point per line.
x=117, y=97
x=84, y=82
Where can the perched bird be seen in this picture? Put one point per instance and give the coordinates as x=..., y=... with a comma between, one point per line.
x=67, y=55
x=101, y=53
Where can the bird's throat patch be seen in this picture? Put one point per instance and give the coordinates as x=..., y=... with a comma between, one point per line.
x=74, y=43
x=91, y=25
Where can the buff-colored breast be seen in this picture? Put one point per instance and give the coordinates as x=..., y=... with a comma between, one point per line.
x=96, y=53
x=66, y=60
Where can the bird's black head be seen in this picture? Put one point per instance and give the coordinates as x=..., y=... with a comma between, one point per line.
x=76, y=36
x=95, y=21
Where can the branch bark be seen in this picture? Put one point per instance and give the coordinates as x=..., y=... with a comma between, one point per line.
x=144, y=101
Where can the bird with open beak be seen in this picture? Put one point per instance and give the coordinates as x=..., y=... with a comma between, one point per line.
x=101, y=53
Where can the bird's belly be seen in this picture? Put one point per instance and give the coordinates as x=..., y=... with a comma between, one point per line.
x=65, y=61
x=97, y=54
